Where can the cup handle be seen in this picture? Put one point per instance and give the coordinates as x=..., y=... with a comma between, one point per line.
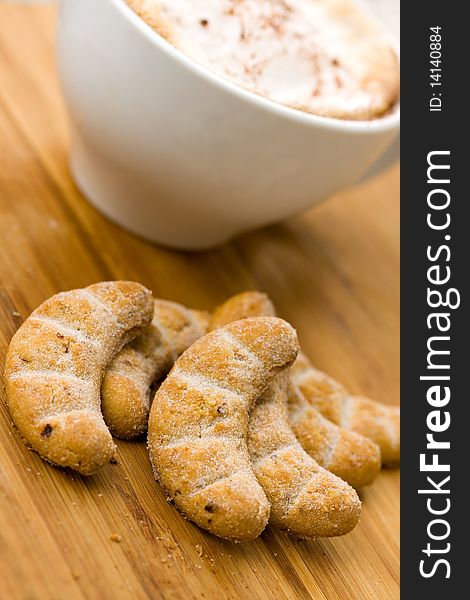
x=386, y=160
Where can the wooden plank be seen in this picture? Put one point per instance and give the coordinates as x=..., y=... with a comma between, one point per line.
x=333, y=273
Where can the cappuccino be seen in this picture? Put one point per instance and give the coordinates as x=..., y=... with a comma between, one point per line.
x=325, y=57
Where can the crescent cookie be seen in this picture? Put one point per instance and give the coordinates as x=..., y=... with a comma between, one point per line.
x=126, y=389
x=199, y=420
x=242, y=306
x=305, y=499
x=349, y=455
x=55, y=364
x=379, y=422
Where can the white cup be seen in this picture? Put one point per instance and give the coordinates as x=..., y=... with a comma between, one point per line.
x=183, y=157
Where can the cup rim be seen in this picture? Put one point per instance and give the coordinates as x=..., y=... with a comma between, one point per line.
x=382, y=124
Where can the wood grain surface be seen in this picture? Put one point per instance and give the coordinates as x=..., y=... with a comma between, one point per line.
x=333, y=273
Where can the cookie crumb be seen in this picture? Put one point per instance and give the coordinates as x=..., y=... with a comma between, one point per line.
x=115, y=537
x=199, y=550
x=100, y=495
x=113, y=460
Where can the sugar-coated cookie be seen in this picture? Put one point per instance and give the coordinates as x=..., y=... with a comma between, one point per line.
x=306, y=499
x=55, y=364
x=127, y=384
x=198, y=424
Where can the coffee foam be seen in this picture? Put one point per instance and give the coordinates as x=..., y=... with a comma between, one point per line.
x=325, y=57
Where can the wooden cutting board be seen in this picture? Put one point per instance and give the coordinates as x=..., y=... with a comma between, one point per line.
x=334, y=273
